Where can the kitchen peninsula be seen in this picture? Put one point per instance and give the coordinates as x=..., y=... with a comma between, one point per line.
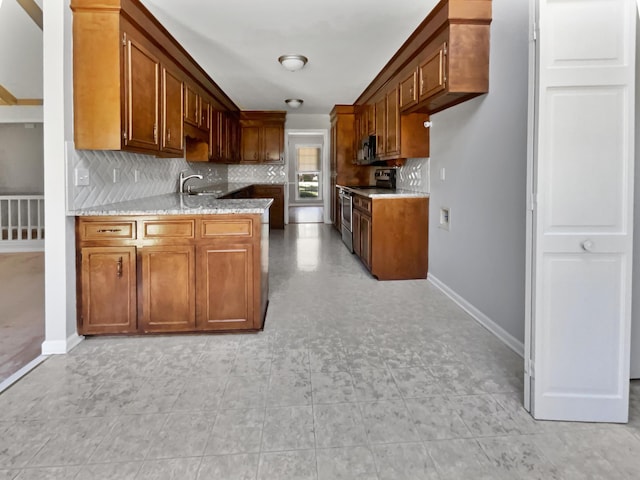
x=173, y=263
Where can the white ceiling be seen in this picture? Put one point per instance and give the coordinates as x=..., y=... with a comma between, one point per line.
x=20, y=51
x=238, y=43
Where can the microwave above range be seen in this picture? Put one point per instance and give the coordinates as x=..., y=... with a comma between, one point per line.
x=367, y=151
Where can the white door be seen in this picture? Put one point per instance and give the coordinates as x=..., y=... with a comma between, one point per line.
x=582, y=180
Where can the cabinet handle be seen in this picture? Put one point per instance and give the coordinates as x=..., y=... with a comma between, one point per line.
x=155, y=132
x=255, y=155
x=119, y=268
x=109, y=230
x=168, y=135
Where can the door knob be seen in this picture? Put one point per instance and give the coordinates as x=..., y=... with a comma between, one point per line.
x=587, y=245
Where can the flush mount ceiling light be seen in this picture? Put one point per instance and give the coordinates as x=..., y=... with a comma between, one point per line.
x=293, y=62
x=294, y=102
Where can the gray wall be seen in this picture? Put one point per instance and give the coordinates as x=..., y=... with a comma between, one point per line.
x=482, y=144
x=21, y=158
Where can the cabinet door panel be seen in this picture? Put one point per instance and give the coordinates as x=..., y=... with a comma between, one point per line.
x=365, y=240
x=381, y=121
x=191, y=106
x=108, y=283
x=250, y=144
x=142, y=84
x=168, y=288
x=273, y=139
x=355, y=226
x=225, y=287
x=432, y=73
x=408, y=91
x=172, y=114
x=393, y=123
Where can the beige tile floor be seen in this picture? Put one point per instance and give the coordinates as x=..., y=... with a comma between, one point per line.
x=21, y=310
x=351, y=379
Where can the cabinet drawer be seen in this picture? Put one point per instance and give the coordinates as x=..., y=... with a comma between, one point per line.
x=169, y=229
x=226, y=228
x=362, y=203
x=107, y=230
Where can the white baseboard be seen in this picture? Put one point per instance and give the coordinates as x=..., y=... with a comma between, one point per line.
x=60, y=347
x=16, y=246
x=509, y=340
x=22, y=372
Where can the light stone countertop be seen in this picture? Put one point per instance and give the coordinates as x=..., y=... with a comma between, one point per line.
x=184, y=204
x=385, y=192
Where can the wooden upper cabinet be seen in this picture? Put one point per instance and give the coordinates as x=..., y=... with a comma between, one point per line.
x=191, y=106
x=433, y=77
x=262, y=136
x=392, y=144
x=381, y=123
x=273, y=143
x=126, y=68
x=409, y=91
x=142, y=83
x=172, y=124
x=250, y=144
x=371, y=119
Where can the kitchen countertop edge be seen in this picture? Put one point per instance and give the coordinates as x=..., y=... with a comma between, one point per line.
x=183, y=204
x=385, y=193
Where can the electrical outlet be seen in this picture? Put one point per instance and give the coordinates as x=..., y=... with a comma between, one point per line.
x=81, y=177
x=445, y=218
x=116, y=175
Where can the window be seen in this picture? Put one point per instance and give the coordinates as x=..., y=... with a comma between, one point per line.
x=308, y=173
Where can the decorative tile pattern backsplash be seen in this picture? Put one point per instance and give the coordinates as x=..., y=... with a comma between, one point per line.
x=257, y=173
x=119, y=176
x=414, y=175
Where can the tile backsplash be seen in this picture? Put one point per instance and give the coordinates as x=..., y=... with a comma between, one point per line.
x=414, y=175
x=117, y=176
x=257, y=173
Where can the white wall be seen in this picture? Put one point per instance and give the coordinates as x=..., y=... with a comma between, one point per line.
x=635, y=320
x=302, y=121
x=21, y=158
x=21, y=114
x=482, y=145
x=60, y=311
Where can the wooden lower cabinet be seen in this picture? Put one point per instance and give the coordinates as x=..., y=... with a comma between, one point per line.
x=171, y=273
x=391, y=236
x=168, y=293
x=276, y=211
x=108, y=289
x=226, y=274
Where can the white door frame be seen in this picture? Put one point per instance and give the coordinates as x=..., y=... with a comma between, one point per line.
x=326, y=170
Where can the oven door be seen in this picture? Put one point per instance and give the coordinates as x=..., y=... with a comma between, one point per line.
x=346, y=209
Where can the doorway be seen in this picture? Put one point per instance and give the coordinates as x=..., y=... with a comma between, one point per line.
x=306, y=172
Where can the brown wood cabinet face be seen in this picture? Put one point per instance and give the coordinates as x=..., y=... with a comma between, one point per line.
x=273, y=144
x=205, y=120
x=168, y=288
x=409, y=91
x=365, y=240
x=371, y=119
x=250, y=144
x=356, y=217
x=381, y=121
x=191, y=106
x=276, y=211
x=142, y=83
x=108, y=284
x=172, y=115
x=392, y=144
x=225, y=288
x=214, y=135
x=433, y=78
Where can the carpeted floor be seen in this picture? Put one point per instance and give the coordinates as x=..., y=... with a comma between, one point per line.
x=21, y=310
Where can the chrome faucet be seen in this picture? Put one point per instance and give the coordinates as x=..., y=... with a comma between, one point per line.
x=184, y=179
